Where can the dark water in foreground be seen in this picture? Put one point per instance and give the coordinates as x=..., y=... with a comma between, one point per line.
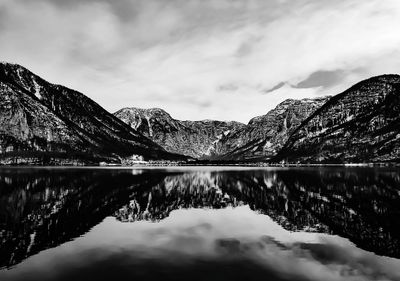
x=199, y=224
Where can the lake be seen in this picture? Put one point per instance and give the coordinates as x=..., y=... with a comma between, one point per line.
x=199, y=223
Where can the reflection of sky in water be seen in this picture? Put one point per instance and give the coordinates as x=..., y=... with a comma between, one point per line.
x=204, y=244
x=205, y=228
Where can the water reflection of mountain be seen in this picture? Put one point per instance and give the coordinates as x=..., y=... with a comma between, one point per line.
x=42, y=209
x=360, y=204
x=185, y=190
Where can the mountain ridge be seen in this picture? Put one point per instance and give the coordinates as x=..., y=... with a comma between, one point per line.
x=362, y=121
x=192, y=138
x=74, y=117
x=42, y=122
x=264, y=135
x=236, y=141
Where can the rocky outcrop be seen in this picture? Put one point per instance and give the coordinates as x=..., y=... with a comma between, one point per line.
x=45, y=121
x=192, y=138
x=361, y=124
x=265, y=135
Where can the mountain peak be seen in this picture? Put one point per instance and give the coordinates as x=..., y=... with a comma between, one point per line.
x=193, y=138
x=360, y=124
x=283, y=106
x=390, y=78
x=40, y=118
x=14, y=67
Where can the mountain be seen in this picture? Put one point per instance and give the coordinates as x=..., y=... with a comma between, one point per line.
x=262, y=137
x=192, y=138
x=362, y=124
x=42, y=122
x=265, y=135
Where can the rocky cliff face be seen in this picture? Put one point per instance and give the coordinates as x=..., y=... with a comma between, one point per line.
x=39, y=120
x=361, y=124
x=192, y=138
x=265, y=135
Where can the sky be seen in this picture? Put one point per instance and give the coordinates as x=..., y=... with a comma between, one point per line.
x=202, y=59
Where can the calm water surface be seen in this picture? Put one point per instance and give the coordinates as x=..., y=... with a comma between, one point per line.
x=199, y=224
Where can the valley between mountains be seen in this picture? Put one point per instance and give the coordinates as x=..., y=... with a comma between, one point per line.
x=47, y=124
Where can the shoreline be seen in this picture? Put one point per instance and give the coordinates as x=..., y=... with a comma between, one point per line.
x=189, y=165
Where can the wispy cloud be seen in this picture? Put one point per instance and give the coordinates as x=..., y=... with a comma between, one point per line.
x=202, y=58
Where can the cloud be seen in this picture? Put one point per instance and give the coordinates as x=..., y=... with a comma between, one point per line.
x=179, y=54
x=274, y=88
x=322, y=78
